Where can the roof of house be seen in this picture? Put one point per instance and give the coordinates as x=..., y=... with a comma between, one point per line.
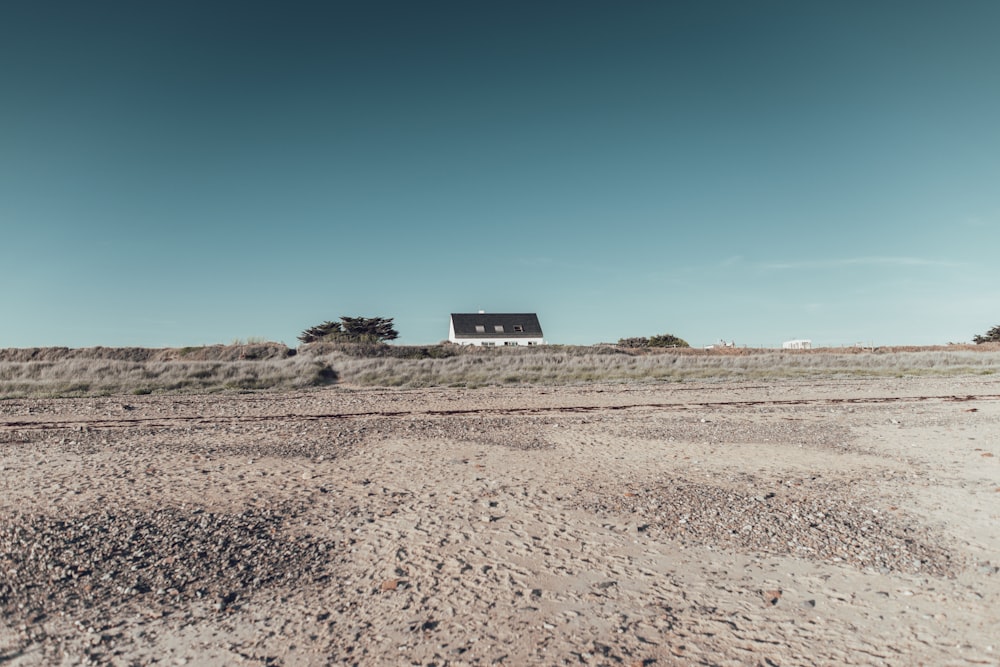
x=485, y=325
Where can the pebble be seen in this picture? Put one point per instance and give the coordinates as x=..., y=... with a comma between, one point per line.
x=807, y=519
x=105, y=560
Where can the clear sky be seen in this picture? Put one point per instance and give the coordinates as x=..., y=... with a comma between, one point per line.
x=187, y=172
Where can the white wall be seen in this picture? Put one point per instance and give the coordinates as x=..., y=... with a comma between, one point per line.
x=498, y=342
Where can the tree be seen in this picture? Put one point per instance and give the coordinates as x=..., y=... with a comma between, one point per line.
x=369, y=329
x=352, y=330
x=325, y=331
x=667, y=340
x=992, y=336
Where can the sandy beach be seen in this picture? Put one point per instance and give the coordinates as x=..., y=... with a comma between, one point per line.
x=795, y=522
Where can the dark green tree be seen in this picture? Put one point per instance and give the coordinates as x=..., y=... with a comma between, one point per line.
x=325, y=331
x=991, y=336
x=352, y=330
x=667, y=340
x=369, y=329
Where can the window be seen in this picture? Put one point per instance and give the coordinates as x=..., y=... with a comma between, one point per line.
x=510, y=343
x=480, y=328
x=518, y=328
x=489, y=344
x=498, y=328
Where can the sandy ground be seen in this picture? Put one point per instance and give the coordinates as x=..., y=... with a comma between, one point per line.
x=841, y=522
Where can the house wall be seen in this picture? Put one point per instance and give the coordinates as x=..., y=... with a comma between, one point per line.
x=498, y=342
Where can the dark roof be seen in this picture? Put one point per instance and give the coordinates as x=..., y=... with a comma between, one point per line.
x=466, y=323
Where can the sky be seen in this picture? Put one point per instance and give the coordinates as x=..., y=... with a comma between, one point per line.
x=181, y=172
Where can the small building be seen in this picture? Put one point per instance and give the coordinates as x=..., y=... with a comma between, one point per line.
x=495, y=329
x=802, y=344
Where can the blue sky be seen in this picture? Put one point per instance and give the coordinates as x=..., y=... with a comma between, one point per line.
x=183, y=173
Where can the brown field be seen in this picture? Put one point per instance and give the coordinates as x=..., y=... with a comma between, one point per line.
x=827, y=513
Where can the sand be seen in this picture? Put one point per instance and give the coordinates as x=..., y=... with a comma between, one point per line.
x=847, y=522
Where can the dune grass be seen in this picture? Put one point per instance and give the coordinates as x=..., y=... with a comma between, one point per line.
x=570, y=366
x=99, y=377
x=227, y=369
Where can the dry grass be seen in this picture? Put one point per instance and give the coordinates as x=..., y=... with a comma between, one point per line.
x=87, y=377
x=54, y=372
x=235, y=352
x=582, y=365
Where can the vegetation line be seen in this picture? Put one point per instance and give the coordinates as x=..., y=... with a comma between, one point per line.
x=59, y=372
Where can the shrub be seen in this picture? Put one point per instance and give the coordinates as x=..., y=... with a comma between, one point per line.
x=667, y=340
x=663, y=340
x=633, y=342
x=324, y=375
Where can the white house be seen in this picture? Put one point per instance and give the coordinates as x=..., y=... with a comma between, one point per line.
x=802, y=344
x=495, y=329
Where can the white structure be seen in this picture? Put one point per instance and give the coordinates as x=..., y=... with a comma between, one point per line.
x=495, y=329
x=797, y=345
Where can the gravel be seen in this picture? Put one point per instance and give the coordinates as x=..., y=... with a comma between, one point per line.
x=804, y=518
x=97, y=565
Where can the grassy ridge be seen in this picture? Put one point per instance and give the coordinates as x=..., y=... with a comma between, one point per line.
x=54, y=372
x=251, y=351
x=89, y=377
x=577, y=366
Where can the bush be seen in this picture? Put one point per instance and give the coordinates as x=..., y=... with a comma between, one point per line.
x=371, y=350
x=667, y=340
x=663, y=340
x=324, y=375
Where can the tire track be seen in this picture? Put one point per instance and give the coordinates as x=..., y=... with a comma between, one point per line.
x=167, y=422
